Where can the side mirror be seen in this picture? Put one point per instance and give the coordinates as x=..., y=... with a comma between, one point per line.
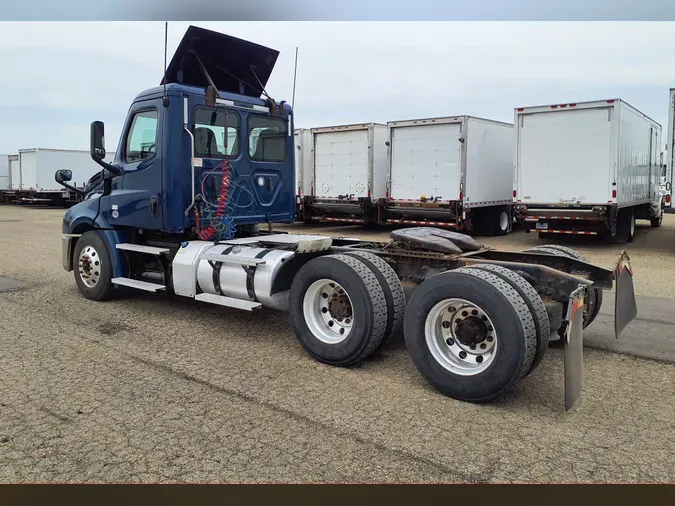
x=97, y=139
x=63, y=175
x=661, y=159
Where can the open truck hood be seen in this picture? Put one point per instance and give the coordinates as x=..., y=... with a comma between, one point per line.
x=227, y=59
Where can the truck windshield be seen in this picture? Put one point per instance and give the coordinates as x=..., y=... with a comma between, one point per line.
x=266, y=139
x=211, y=139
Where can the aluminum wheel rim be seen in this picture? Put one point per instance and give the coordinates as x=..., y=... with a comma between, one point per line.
x=452, y=351
x=632, y=225
x=328, y=311
x=503, y=221
x=89, y=266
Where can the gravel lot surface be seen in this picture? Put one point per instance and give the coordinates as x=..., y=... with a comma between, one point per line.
x=150, y=389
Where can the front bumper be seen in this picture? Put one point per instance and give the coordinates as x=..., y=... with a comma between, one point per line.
x=67, y=250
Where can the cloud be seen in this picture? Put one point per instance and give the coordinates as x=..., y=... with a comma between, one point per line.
x=73, y=73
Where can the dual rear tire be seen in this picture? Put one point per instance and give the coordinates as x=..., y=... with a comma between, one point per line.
x=345, y=307
x=472, y=333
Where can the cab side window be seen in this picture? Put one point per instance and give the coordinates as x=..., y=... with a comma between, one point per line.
x=266, y=139
x=216, y=133
x=142, y=137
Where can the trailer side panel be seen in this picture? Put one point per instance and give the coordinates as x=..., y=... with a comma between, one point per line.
x=637, y=169
x=489, y=165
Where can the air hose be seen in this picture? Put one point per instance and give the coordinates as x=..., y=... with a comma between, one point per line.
x=219, y=223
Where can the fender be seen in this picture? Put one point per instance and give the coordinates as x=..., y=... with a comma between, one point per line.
x=84, y=217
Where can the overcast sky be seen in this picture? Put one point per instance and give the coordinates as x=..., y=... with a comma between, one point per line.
x=58, y=77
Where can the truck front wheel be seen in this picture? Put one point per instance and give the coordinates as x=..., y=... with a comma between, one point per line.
x=92, y=267
x=470, y=334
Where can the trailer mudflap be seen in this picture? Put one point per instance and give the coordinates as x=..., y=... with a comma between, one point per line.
x=574, y=336
x=625, y=307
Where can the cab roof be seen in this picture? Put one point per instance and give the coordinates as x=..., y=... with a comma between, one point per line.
x=183, y=89
x=235, y=65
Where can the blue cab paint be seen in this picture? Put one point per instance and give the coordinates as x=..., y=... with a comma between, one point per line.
x=167, y=175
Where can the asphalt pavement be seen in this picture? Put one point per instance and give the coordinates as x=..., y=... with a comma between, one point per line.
x=161, y=389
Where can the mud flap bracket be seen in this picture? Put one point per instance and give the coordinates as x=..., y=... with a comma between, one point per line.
x=574, y=337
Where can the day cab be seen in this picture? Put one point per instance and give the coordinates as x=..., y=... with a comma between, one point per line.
x=168, y=164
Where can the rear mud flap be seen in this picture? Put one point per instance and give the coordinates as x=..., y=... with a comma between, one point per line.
x=574, y=337
x=625, y=310
x=625, y=307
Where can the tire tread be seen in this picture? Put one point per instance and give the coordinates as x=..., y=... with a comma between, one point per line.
x=536, y=306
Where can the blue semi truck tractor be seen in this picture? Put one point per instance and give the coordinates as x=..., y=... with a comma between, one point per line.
x=205, y=167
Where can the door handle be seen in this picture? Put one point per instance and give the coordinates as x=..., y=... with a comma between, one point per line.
x=154, y=205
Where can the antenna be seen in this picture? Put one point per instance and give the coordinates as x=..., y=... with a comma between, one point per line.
x=295, y=75
x=165, y=101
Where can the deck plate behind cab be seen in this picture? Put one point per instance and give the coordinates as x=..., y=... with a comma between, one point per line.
x=302, y=243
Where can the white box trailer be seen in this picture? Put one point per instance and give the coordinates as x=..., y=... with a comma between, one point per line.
x=669, y=158
x=348, y=173
x=303, y=161
x=35, y=171
x=587, y=168
x=4, y=172
x=454, y=171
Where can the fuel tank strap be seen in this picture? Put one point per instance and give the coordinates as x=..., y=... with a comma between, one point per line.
x=250, y=274
x=216, y=271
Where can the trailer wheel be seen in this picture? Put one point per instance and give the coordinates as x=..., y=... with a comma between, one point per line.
x=534, y=304
x=656, y=222
x=470, y=334
x=502, y=221
x=338, y=309
x=625, y=225
x=393, y=292
x=92, y=267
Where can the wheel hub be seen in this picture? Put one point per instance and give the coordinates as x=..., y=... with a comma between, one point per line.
x=471, y=332
x=461, y=336
x=339, y=305
x=89, y=266
x=328, y=311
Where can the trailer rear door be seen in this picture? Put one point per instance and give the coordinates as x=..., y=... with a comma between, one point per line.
x=341, y=163
x=426, y=161
x=565, y=156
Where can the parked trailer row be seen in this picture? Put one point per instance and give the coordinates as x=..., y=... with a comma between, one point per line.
x=587, y=168
x=30, y=175
x=454, y=172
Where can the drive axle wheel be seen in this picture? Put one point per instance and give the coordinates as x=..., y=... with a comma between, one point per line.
x=338, y=309
x=470, y=334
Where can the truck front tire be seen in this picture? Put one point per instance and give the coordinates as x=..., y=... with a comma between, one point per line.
x=470, y=334
x=92, y=267
x=338, y=309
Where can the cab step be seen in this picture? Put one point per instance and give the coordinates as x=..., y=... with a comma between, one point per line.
x=140, y=285
x=140, y=248
x=231, y=259
x=221, y=300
